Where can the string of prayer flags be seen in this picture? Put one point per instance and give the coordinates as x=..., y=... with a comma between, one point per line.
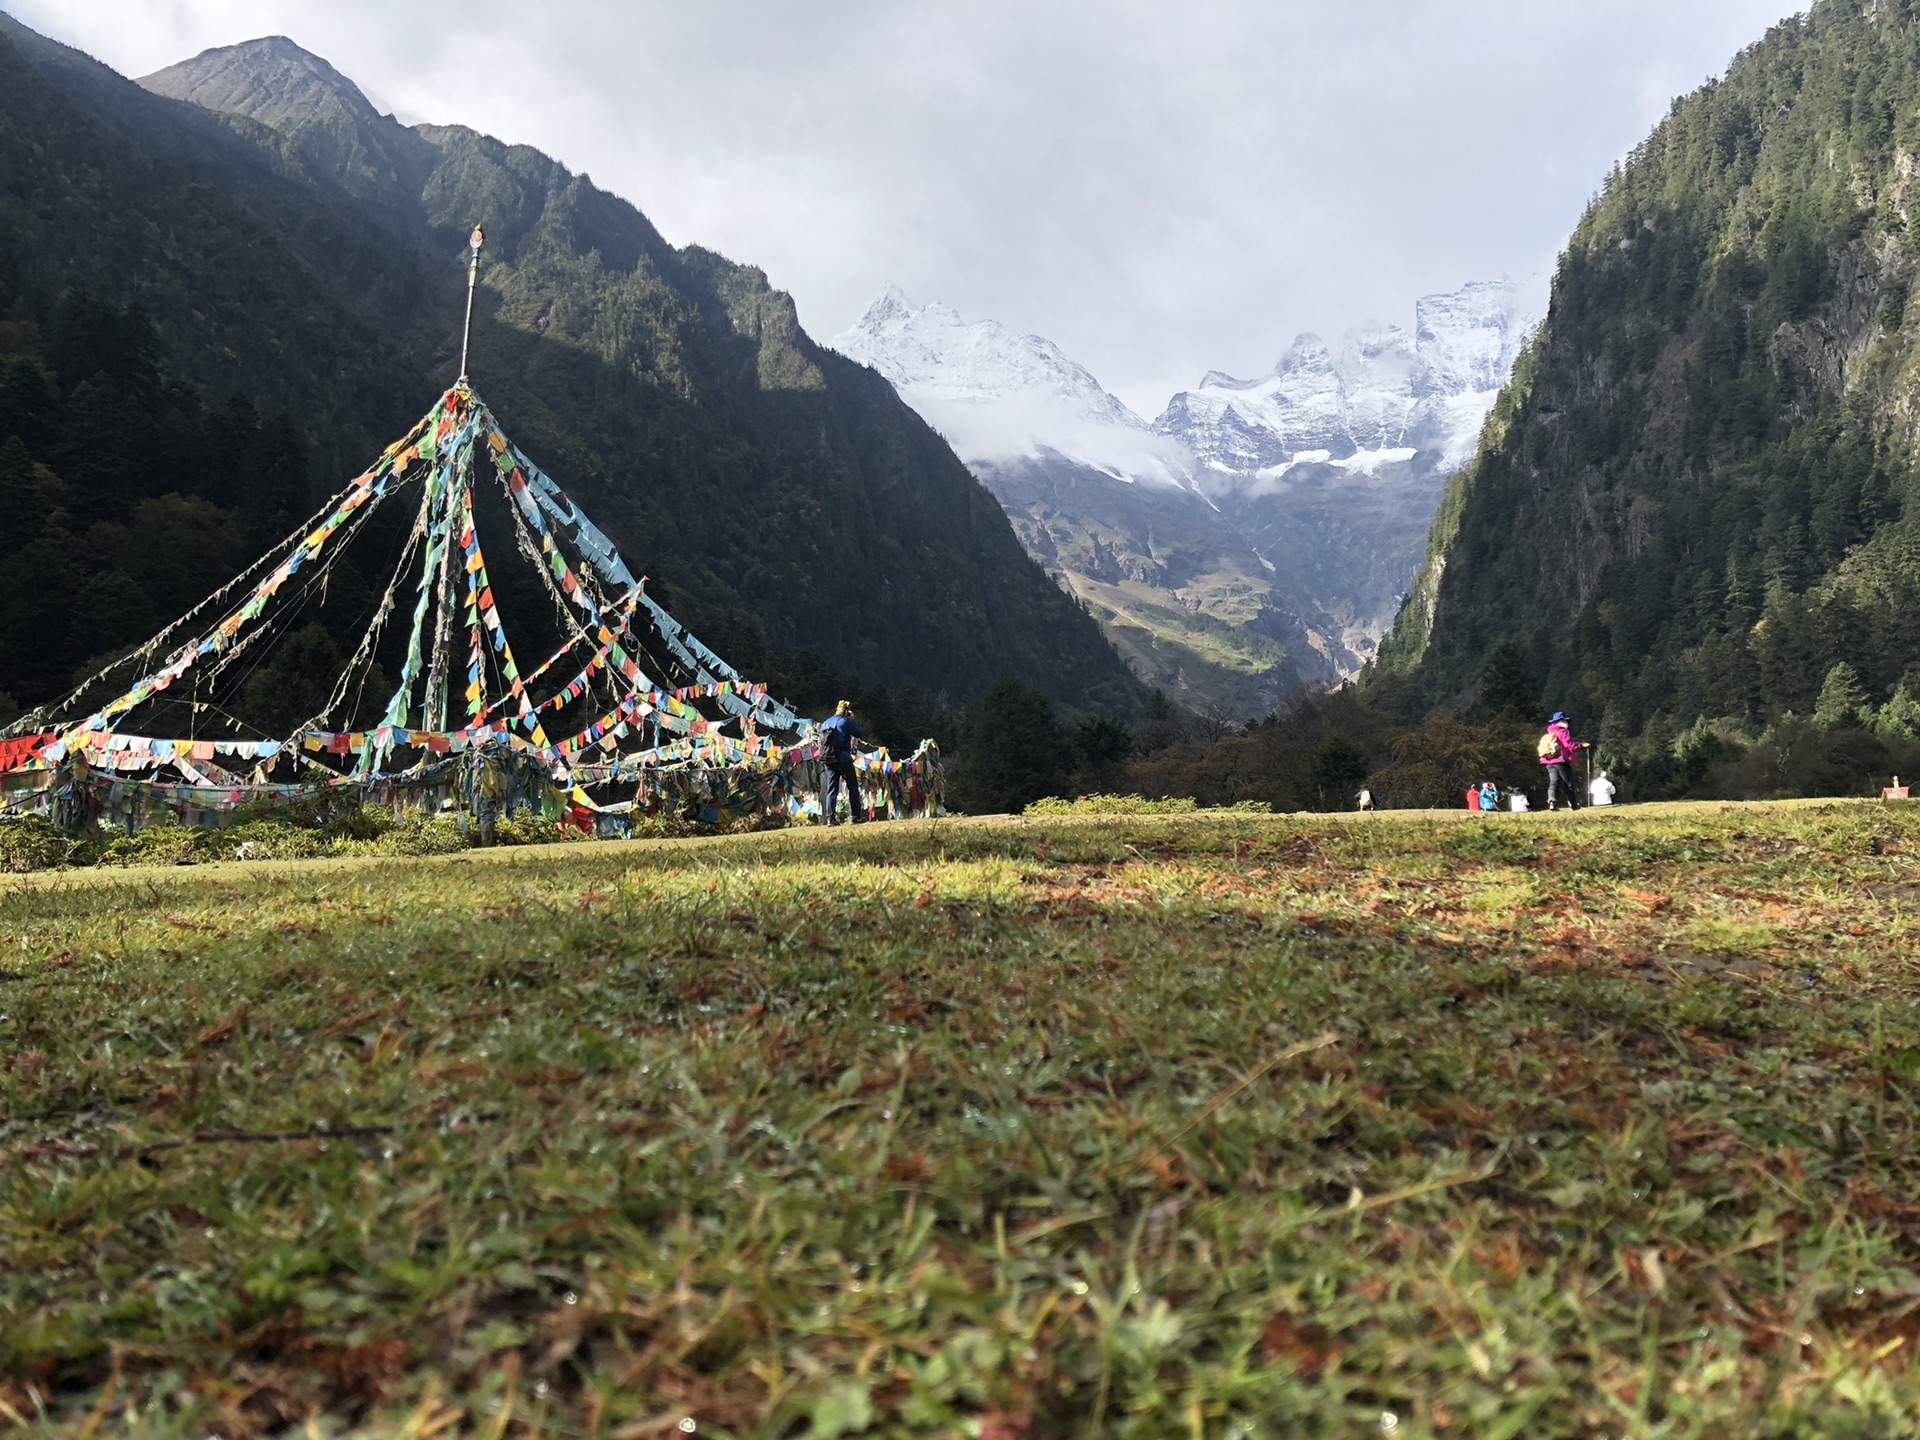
x=701, y=735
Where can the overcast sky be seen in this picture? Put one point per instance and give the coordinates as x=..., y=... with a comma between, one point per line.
x=1160, y=188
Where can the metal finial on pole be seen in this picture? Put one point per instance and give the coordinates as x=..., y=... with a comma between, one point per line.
x=476, y=240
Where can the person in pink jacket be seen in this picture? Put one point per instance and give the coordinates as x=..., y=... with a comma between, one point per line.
x=1558, y=756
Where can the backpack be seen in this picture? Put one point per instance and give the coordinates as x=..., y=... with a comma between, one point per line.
x=1548, y=747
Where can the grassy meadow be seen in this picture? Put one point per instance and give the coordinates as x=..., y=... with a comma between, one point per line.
x=1414, y=1125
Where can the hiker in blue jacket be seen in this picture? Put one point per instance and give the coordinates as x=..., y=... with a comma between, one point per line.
x=836, y=758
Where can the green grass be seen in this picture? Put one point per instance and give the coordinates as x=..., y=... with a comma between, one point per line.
x=1164, y=1125
x=1209, y=637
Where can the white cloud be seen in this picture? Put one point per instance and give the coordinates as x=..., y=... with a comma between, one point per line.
x=1161, y=189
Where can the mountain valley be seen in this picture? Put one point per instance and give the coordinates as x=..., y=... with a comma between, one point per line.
x=1255, y=537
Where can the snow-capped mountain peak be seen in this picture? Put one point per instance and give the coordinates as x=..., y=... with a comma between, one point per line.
x=997, y=394
x=1468, y=340
x=1386, y=390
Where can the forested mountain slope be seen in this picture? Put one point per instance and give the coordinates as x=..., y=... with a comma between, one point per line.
x=1697, y=495
x=289, y=244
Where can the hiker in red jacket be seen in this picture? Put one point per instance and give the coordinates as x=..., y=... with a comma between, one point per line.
x=1558, y=750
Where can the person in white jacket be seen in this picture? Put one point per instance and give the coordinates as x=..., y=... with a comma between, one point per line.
x=1517, y=802
x=1600, y=790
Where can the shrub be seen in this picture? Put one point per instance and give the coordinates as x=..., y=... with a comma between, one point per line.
x=413, y=835
x=162, y=844
x=531, y=830
x=274, y=839
x=348, y=819
x=29, y=843
x=663, y=827
x=1115, y=805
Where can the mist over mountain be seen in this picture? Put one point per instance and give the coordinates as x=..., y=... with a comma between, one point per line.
x=286, y=241
x=997, y=395
x=1258, y=534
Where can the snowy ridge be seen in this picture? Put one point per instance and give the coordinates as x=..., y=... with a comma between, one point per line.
x=1469, y=340
x=997, y=395
x=1387, y=390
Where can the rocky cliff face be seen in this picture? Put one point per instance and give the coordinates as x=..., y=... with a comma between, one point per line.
x=1260, y=533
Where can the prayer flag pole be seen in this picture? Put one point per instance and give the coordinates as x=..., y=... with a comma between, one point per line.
x=477, y=239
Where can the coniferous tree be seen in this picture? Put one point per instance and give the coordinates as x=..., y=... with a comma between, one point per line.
x=1160, y=727
x=23, y=500
x=1899, y=718
x=26, y=407
x=1015, y=753
x=1508, y=686
x=1337, y=767
x=1842, y=703
x=1101, y=744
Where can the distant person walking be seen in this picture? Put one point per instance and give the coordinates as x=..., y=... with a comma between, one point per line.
x=1600, y=790
x=836, y=758
x=1558, y=750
